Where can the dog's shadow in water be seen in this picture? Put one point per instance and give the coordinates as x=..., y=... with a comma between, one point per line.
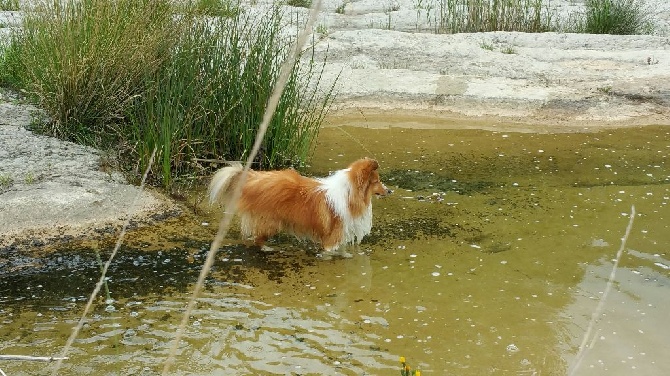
x=283, y=255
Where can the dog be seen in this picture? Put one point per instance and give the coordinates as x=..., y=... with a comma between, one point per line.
x=332, y=211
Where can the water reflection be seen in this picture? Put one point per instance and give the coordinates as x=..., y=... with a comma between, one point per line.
x=632, y=333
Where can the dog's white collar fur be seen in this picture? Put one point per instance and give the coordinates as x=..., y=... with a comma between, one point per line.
x=338, y=188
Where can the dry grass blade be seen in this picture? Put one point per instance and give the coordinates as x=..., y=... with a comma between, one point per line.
x=601, y=304
x=103, y=274
x=227, y=218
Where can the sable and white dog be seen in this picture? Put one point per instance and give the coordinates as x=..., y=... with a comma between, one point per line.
x=332, y=211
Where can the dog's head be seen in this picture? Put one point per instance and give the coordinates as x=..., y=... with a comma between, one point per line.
x=366, y=177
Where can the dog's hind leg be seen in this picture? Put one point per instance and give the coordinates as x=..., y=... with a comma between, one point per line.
x=257, y=229
x=260, y=242
x=262, y=231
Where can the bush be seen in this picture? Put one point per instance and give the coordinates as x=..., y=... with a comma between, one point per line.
x=130, y=74
x=621, y=17
x=85, y=61
x=216, y=8
x=459, y=16
x=209, y=101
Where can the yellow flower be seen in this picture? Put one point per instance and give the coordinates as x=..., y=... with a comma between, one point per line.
x=417, y=373
x=402, y=359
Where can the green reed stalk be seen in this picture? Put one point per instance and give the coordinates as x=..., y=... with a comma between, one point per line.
x=209, y=101
x=83, y=60
x=621, y=17
x=133, y=75
x=464, y=16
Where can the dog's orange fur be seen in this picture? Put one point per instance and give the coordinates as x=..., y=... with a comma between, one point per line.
x=274, y=201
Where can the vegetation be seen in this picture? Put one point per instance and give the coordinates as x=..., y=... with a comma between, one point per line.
x=508, y=50
x=406, y=370
x=129, y=74
x=322, y=29
x=6, y=181
x=466, y=16
x=340, y=8
x=30, y=178
x=299, y=3
x=9, y=5
x=533, y=16
x=216, y=8
x=621, y=17
x=486, y=46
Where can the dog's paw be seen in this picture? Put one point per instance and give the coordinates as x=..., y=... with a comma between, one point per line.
x=265, y=248
x=345, y=254
x=328, y=255
x=325, y=255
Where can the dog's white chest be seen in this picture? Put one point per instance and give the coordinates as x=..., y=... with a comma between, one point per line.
x=338, y=188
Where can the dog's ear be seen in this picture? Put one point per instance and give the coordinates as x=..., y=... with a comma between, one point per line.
x=368, y=164
x=362, y=169
x=374, y=165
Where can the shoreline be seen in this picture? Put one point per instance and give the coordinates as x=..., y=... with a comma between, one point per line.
x=427, y=118
x=92, y=204
x=55, y=189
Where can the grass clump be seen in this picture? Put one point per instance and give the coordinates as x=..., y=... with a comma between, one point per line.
x=535, y=16
x=467, y=16
x=508, y=50
x=6, y=181
x=131, y=75
x=299, y=3
x=486, y=46
x=340, y=8
x=85, y=62
x=216, y=8
x=620, y=17
x=9, y=65
x=9, y=5
x=212, y=96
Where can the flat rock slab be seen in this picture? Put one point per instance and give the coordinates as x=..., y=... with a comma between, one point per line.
x=550, y=77
x=386, y=56
x=57, y=188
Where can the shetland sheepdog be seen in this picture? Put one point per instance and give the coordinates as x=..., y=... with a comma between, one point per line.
x=333, y=211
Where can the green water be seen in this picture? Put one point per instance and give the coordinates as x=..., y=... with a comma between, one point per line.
x=489, y=258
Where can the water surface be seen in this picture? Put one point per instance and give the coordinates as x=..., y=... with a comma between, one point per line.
x=489, y=258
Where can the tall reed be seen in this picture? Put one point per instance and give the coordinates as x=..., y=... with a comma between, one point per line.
x=134, y=75
x=621, y=17
x=466, y=16
x=9, y=5
x=84, y=61
x=210, y=98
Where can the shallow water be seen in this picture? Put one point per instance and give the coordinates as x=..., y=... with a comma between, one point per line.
x=489, y=258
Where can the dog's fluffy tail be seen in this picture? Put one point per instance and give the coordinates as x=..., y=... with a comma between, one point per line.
x=222, y=181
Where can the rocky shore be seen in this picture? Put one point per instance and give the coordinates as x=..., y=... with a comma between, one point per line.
x=53, y=189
